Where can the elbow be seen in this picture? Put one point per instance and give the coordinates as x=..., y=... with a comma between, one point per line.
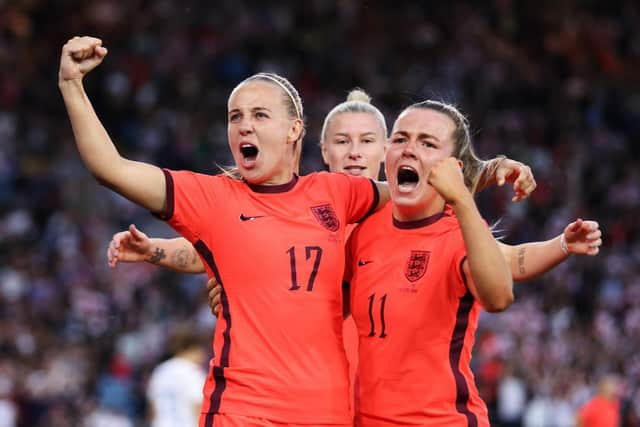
x=501, y=302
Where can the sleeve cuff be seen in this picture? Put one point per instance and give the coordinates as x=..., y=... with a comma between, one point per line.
x=167, y=213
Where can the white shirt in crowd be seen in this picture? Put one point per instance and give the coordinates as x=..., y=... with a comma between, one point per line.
x=175, y=393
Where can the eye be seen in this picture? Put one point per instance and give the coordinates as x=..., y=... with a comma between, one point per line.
x=368, y=141
x=341, y=141
x=398, y=140
x=234, y=117
x=428, y=144
x=261, y=115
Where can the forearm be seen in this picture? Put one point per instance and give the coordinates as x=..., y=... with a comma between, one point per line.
x=141, y=183
x=489, y=270
x=529, y=260
x=488, y=174
x=175, y=254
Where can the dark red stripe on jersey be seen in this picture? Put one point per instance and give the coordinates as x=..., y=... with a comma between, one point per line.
x=376, y=200
x=167, y=213
x=217, y=370
x=455, y=351
x=408, y=225
x=282, y=188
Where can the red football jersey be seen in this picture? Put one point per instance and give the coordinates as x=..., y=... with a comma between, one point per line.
x=416, y=321
x=278, y=254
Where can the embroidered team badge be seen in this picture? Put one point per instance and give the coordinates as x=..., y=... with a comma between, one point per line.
x=326, y=216
x=416, y=265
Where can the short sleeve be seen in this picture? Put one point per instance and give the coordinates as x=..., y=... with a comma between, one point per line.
x=361, y=196
x=190, y=196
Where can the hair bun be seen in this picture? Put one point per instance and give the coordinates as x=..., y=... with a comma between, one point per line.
x=360, y=95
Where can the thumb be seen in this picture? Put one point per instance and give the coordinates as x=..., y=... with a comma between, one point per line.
x=500, y=176
x=575, y=226
x=135, y=233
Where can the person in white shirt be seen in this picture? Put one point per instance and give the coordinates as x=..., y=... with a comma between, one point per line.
x=174, y=391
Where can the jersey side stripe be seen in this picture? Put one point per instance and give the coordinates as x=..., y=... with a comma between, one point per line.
x=218, y=371
x=455, y=351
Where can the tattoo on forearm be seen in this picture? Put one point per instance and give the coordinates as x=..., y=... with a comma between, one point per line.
x=521, y=268
x=180, y=258
x=158, y=255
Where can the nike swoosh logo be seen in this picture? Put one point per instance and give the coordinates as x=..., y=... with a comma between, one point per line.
x=243, y=217
x=362, y=263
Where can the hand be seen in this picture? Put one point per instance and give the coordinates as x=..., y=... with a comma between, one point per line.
x=583, y=237
x=519, y=175
x=79, y=56
x=214, y=295
x=129, y=246
x=446, y=177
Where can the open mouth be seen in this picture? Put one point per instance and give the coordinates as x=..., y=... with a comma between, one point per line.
x=354, y=170
x=408, y=178
x=249, y=151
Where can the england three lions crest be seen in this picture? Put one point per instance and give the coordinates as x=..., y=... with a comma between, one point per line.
x=417, y=265
x=326, y=216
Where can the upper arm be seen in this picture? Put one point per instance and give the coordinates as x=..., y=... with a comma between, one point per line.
x=142, y=183
x=468, y=278
x=360, y=196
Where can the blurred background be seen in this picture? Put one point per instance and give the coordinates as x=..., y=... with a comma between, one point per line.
x=554, y=84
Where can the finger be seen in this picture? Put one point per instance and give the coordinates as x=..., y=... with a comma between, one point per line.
x=575, y=226
x=211, y=283
x=100, y=51
x=215, y=310
x=85, y=47
x=591, y=225
x=596, y=243
x=593, y=251
x=595, y=235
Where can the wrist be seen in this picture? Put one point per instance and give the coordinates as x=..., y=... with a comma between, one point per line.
x=563, y=245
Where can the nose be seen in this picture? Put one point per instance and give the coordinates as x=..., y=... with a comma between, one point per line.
x=354, y=151
x=245, y=126
x=408, y=151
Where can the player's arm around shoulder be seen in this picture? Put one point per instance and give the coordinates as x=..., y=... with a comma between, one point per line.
x=488, y=275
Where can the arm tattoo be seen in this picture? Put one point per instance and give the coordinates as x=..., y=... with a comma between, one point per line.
x=180, y=258
x=158, y=255
x=521, y=268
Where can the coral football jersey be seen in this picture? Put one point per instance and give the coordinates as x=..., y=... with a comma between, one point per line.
x=416, y=321
x=278, y=254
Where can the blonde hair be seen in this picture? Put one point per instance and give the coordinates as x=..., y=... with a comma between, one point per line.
x=473, y=166
x=358, y=101
x=293, y=103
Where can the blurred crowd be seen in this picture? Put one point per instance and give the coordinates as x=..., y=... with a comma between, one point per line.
x=554, y=84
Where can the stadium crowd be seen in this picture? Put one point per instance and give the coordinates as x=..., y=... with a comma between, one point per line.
x=553, y=84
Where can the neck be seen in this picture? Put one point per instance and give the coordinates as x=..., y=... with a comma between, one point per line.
x=406, y=213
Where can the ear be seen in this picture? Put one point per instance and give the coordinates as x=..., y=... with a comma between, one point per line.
x=295, y=131
x=461, y=164
x=323, y=150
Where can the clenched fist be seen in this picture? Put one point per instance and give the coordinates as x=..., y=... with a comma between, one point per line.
x=79, y=56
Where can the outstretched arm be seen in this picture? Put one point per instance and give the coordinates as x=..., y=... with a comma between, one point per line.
x=501, y=169
x=133, y=245
x=141, y=183
x=488, y=276
x=530, y=260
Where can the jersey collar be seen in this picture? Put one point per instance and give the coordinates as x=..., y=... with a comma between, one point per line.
x=282, y=188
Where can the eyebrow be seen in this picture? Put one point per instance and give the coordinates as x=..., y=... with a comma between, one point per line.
x=253, y=110
x=420, y=135
x=362, y=134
